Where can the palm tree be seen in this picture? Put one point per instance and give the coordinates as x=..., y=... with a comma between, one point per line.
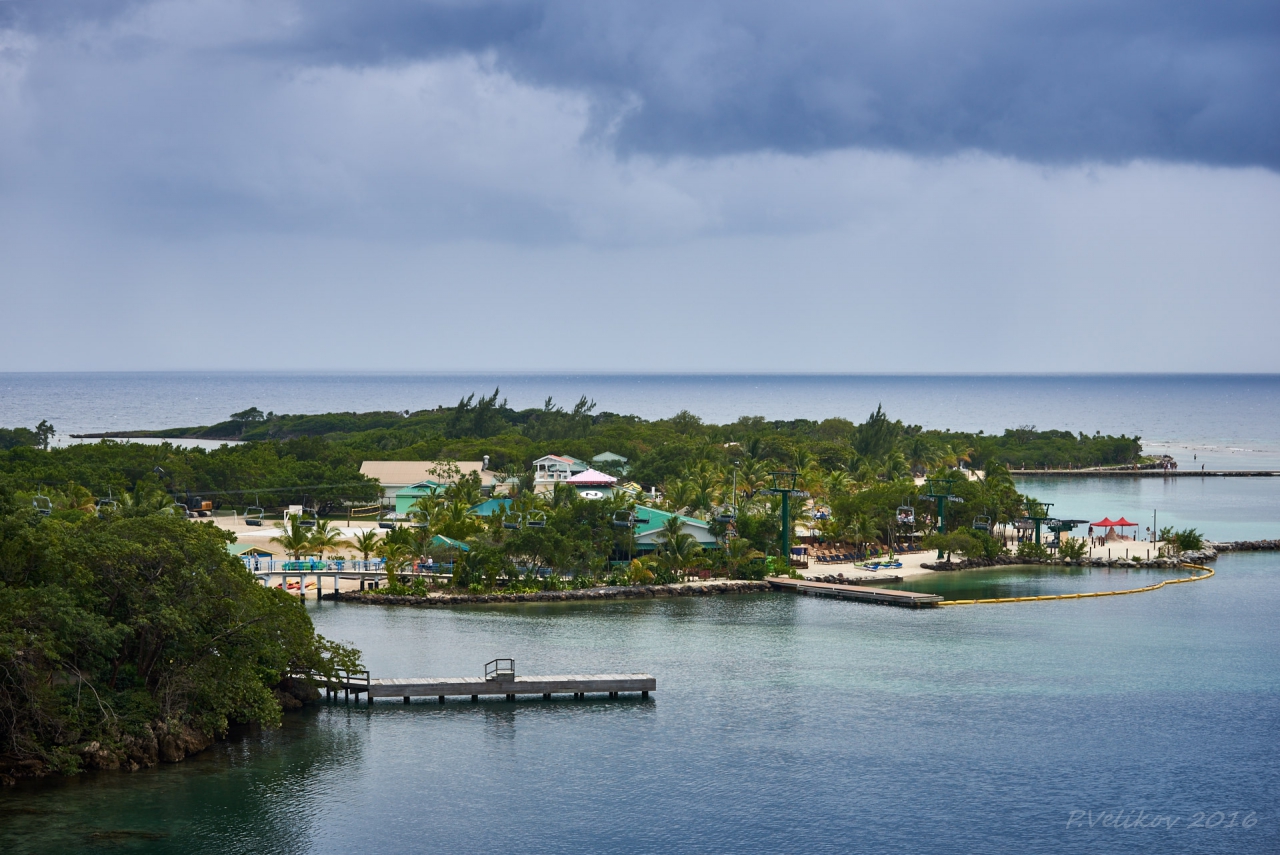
x=672, y=528
x=860, y=530
x=395, y=556
x=366, y=543
x=465, y=490
x=678, y=494
x=836, y=483
x=143, y=502
x=738, y=553
x=703, y=484
x=456, y=520
x=294, y=540
x=894, y=466
x=679, y=553
x=921, y=455
x=752, y=476
x=324, y=538
x=74, y=498
x=424, y=510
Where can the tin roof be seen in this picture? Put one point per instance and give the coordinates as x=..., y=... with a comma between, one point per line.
x=402, y=473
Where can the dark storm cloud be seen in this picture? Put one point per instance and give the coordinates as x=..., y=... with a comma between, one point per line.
x=1044, y=81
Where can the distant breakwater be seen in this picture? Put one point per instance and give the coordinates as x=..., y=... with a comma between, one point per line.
x=1245, y=546
x=1013, y=560
x=617, y=592
x=1144, y=473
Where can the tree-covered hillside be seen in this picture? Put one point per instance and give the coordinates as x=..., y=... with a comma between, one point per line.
x=128, y=640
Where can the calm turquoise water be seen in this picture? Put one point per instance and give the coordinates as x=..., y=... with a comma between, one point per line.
x=1034, y=581
x=781, y=723
x=1221, y=508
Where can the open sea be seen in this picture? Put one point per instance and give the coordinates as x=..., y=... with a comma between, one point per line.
x=1135, y=724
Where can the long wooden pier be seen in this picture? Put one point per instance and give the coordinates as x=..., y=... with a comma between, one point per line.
x=881, y=596
x=505, y=684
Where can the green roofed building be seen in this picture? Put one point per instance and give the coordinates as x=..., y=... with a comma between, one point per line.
x=241, y=549
x=441, y=540
x=650, y=521
x=407, y=496
x=609, y=462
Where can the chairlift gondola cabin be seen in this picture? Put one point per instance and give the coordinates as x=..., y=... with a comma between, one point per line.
x=906, y=515
x=982, y=523
x=512, y=521
x=42, y=503
x=383, y=522
x=308, y=523
x=624, y=519
x=253, y=515
x=726, y=516
x=107, y=505
x=536, y=519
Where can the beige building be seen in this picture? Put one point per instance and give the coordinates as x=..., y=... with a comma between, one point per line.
x=396, y=475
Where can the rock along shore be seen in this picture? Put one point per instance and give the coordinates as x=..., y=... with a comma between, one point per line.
x=630, y=592
x=1245, y=546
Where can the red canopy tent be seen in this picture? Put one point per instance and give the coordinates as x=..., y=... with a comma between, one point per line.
x=1111, y=525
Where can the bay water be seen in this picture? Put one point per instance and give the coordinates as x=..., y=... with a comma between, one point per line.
x=1142, y=723
x=780, y=724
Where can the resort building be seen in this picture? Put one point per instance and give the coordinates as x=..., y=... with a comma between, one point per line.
x=649, y=524
x=397, y=475
x=592, y=484
x=610, y=461
x=554, y=469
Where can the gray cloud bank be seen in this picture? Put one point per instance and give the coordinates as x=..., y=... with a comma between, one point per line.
x=1050, y=186
x=1060, y=81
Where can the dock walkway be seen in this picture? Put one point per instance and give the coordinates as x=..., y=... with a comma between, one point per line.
x=882, y=596
x=578, y=685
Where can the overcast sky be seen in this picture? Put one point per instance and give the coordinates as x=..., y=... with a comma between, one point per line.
x=915, y=185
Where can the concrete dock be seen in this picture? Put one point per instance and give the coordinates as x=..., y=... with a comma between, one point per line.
x=507, y=685
x=881, y=596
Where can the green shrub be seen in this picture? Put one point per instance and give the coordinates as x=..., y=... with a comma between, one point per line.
x=1072, y=548
x=1188, y=540
x=1032, y=550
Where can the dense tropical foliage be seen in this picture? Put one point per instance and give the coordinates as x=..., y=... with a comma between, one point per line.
x=119, y=630
x=855, y=477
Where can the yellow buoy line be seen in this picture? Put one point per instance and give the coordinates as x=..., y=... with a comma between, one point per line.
x=1207, y=573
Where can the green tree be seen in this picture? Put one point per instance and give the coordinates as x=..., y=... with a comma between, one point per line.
x=110, y=628
x=324, y=538
x=292, y=538
x=366, y=543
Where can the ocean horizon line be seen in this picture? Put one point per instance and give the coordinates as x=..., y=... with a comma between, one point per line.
x=691, y=374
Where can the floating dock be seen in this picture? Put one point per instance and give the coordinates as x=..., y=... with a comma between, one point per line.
x=881, y=596
x=505, y=684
